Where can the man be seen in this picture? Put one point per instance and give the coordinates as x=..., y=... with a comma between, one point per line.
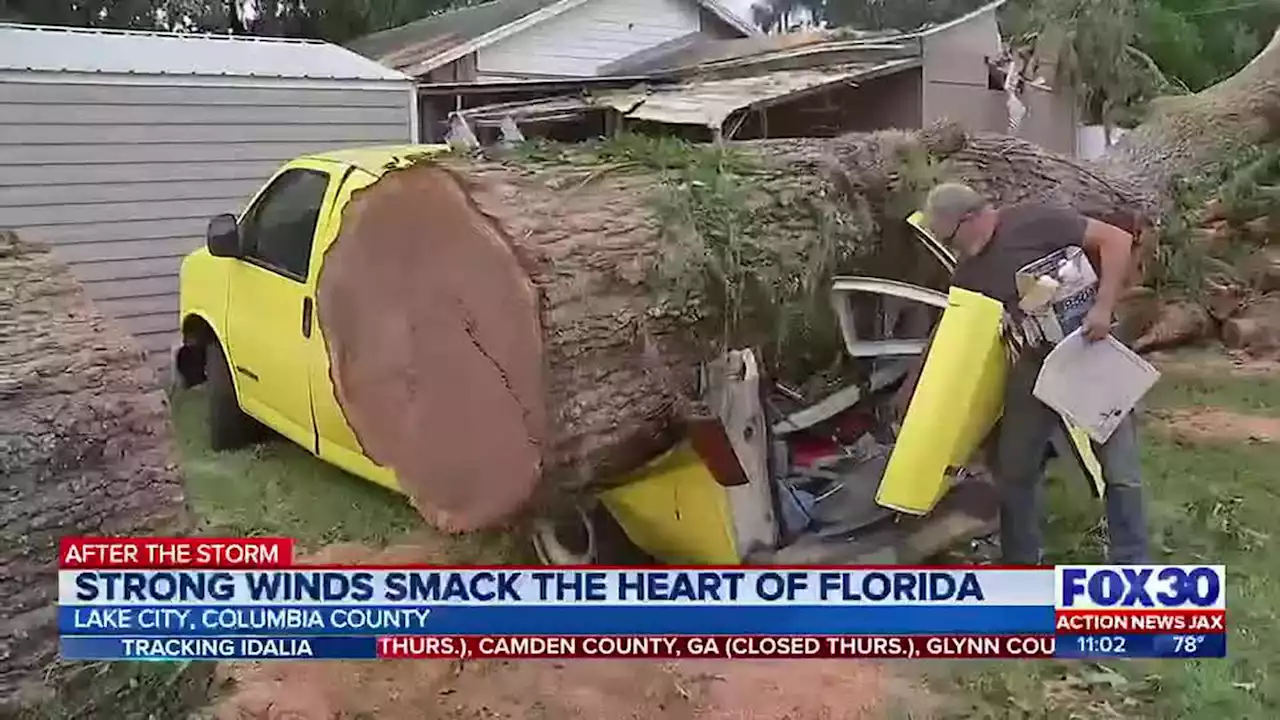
x=992, y=245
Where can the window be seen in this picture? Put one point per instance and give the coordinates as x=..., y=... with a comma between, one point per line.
x=279, y=229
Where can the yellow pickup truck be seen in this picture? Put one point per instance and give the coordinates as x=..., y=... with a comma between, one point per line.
x=250, y=335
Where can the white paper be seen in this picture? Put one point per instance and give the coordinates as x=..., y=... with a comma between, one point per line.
x=1094, y=384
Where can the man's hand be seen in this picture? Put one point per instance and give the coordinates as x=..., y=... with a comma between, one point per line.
x=1097, y=323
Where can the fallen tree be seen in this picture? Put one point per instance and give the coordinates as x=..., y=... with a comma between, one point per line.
x=85, y=449
x=493, y=322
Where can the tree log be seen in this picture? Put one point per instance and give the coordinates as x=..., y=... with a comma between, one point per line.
x=1257, y=329
x=85, y=449
x=492, y=323
x=1185, y=134
x=516, y=335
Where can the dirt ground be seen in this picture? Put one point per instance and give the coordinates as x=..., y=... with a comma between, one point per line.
x=549, y=690
x=1216, y=424
x=1217, y=361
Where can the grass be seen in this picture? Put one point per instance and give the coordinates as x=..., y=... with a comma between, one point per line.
x=279, y=489
x=1210, y=502
x=1251, y=395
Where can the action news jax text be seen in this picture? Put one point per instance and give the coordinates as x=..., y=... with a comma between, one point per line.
x=231, y=599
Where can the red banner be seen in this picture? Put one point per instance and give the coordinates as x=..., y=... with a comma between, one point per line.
x=672, y=647
x=79, y=553
x=1131, y=621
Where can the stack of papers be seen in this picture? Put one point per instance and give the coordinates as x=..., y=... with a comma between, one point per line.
x=1094, y=384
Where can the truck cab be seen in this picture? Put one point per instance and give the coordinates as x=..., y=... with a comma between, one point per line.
x=248, y=313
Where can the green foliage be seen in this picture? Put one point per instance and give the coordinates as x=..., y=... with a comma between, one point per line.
x=1094, y=44
x=1249, y=191
x=1247, y=184
x=740, y=256
x=1180, y=258
x=1203, y=41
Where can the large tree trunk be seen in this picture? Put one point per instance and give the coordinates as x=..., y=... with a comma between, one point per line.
x=1186, y=133
x=495, y=323
x=85, y=449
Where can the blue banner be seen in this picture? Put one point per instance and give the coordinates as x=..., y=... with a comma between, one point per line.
x=209, y=648
x=349, y=620
x=1095, y=647
x=365, y=648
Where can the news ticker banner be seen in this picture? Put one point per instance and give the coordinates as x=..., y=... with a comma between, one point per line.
x=187, y=599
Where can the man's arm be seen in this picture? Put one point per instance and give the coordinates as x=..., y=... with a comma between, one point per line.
x=1114, y=249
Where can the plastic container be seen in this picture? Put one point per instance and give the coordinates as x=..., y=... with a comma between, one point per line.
x=1056, y=292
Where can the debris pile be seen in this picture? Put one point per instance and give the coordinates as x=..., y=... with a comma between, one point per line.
x=85, y=448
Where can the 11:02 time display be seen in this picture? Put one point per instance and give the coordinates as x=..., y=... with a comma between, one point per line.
x=1101, y=644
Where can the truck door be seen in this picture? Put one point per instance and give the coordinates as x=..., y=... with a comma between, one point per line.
x=270, y=308
x=337, y=443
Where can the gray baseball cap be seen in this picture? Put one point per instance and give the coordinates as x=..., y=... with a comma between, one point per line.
x=948, y=205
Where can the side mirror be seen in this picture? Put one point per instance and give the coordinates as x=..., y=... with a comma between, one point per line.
x=223, y=236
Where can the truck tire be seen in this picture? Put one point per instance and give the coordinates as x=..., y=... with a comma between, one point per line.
x=585, y=536
x=229, y=427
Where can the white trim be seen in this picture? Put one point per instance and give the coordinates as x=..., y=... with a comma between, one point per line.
x=844, y=286
x=415, y=119
x=739, y=23
x=197, y=81
x=460, y=51
x=989, y=7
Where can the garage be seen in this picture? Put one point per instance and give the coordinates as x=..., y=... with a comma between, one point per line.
x=116, y=147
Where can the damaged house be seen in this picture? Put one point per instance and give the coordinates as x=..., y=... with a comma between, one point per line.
x=708, y=84
x=520, y=50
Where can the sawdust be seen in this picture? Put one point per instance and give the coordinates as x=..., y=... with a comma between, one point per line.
x=548, y=690
x=1219, y=425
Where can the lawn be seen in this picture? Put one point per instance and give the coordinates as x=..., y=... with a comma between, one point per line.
x=277, y=488
x=1212, y=501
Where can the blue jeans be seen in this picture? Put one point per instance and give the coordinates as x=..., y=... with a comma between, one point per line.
x=1025, y=429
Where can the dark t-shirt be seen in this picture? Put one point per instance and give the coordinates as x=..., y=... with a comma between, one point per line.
x=1024, y=233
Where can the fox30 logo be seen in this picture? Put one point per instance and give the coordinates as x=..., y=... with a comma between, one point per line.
x=1105, y=587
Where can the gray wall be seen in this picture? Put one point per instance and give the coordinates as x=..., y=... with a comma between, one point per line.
x=955, y=88
x=121, y=179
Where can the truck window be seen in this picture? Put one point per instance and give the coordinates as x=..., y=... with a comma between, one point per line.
x=278, y=231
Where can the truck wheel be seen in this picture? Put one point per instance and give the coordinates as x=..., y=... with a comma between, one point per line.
x=579, y=536
x=229, y=427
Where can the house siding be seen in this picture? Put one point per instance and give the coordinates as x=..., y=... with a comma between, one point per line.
x=121, y=179
x=579, y=41
x=956, y=88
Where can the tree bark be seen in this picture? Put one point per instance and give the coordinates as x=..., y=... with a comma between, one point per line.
x=85, y=449
x=492, y=324
x=1184, y=134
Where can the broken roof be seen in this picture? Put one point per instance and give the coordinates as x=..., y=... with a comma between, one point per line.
x=819, y=45
x=701, y=102
x=439, y=39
